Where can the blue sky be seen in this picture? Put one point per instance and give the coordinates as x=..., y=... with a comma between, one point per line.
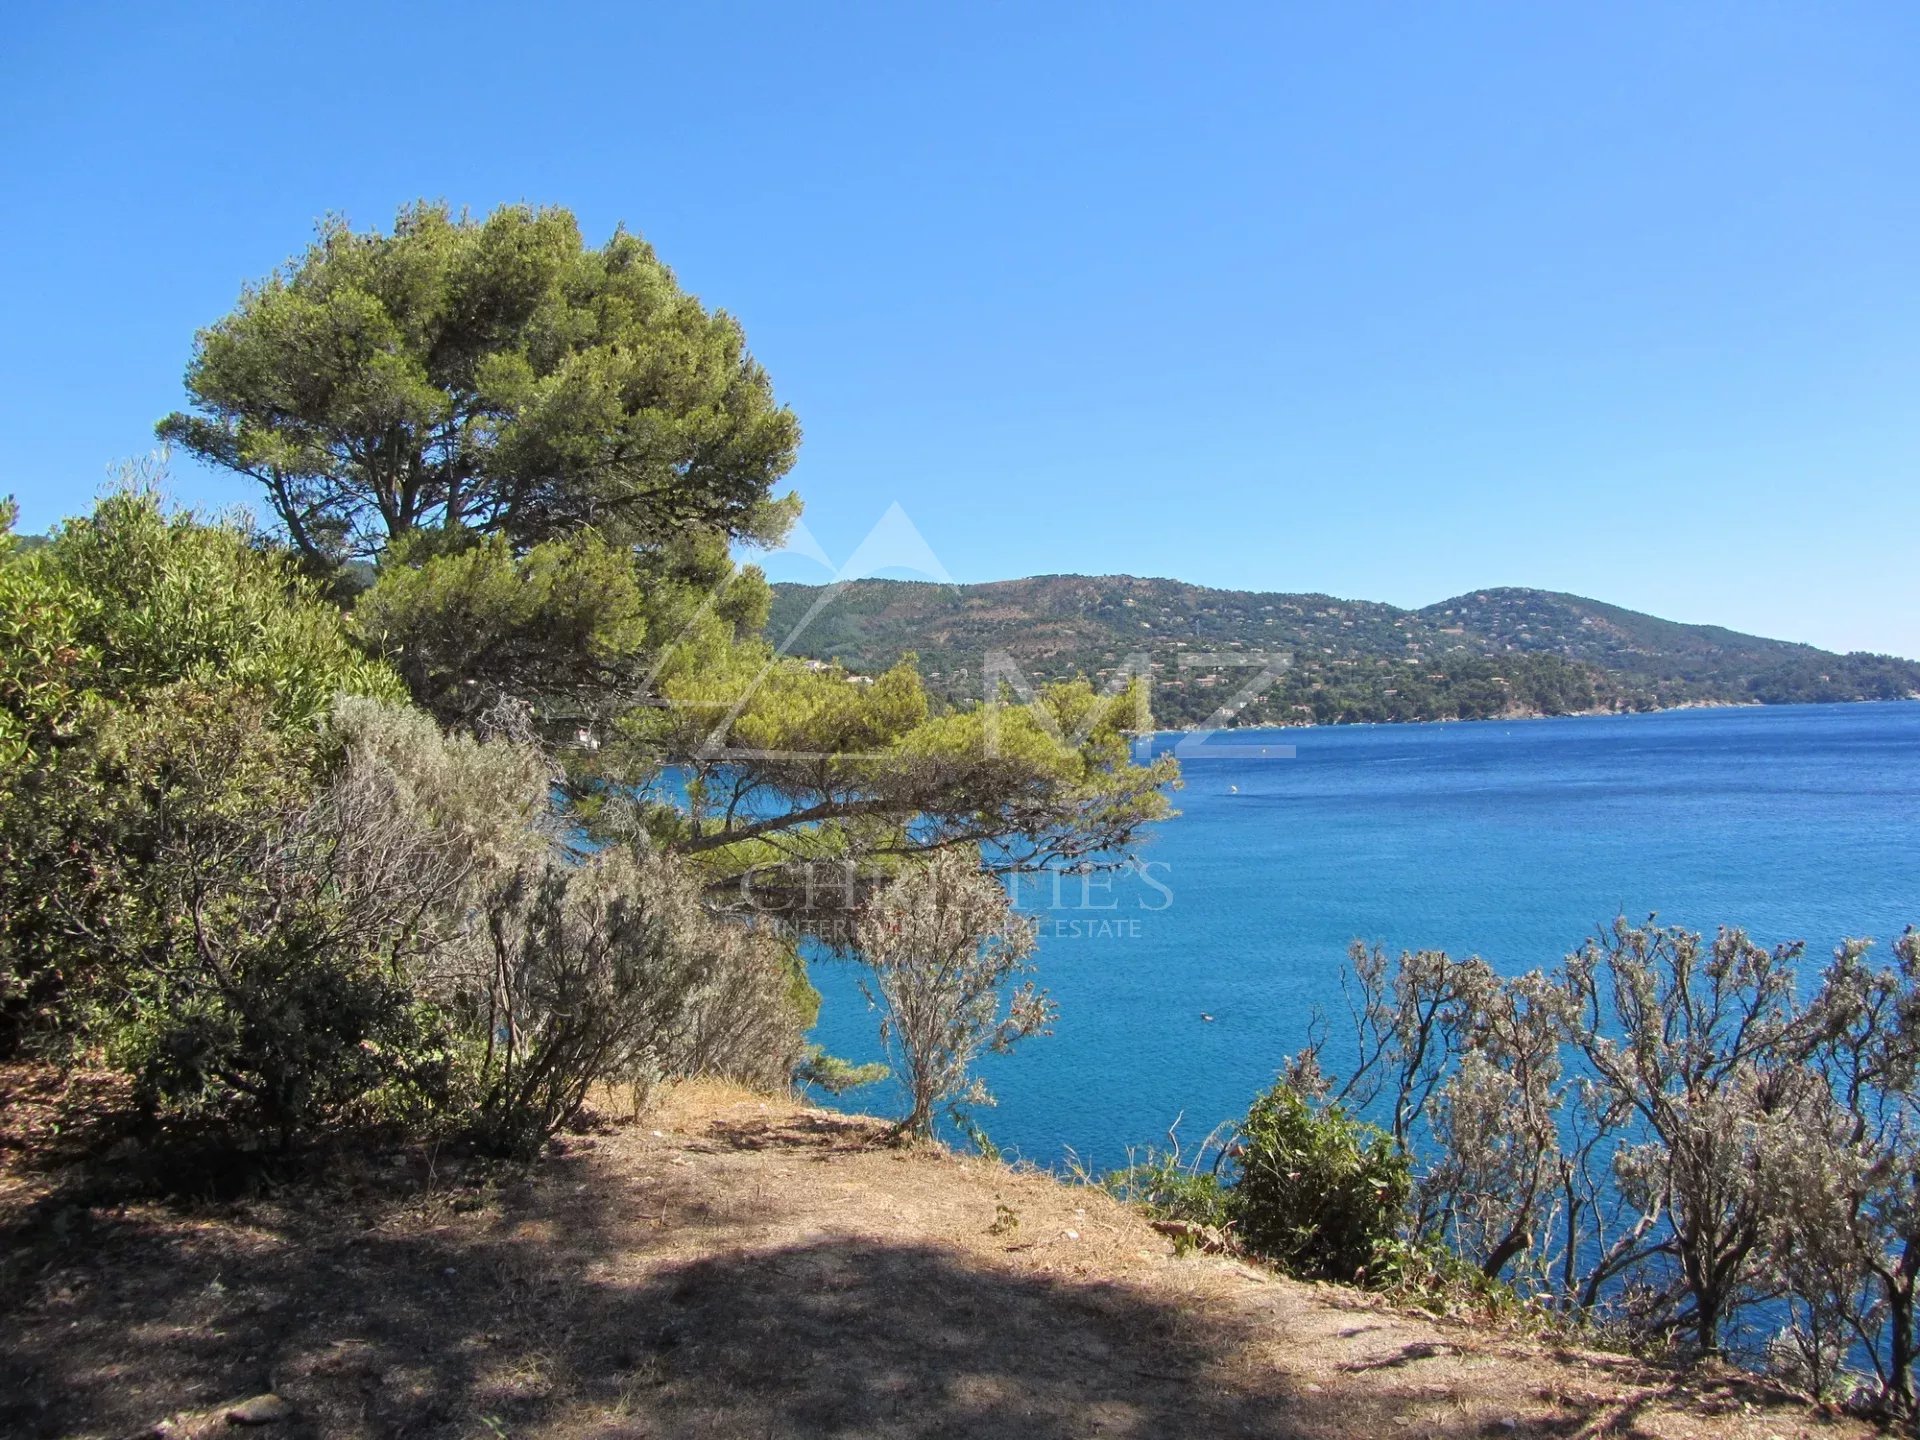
x=1390, y=301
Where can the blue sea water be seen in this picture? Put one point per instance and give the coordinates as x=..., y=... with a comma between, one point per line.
x=1508, y=840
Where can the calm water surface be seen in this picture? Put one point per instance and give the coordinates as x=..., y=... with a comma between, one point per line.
x=1512, y=841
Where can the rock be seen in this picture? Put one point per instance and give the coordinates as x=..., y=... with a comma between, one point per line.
x=264, y=1409
x=1205, y=1238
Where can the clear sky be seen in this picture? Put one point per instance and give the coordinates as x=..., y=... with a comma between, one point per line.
x=1387, y=301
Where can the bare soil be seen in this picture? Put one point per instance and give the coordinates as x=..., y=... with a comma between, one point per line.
x=731, y=1265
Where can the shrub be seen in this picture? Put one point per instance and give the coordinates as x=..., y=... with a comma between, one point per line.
x=259, y=928
x=171, y=597
x=613, y=970
x=375, y=921
x=943, y=942
x=750, y=1015
x=485, y=802
x=44, y=668
x=1424, y=1273
x=1696, y=1051
x=1168, y=1189
x=285, y=901
x=834, y=1075
x=1658, y=1138
x=124, y=628
x=1316, y=1191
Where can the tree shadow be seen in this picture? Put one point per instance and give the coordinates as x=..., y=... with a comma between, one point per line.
x=821, y=1133
x=1406, y=1355
x=602, y=1300
x=527, y=1325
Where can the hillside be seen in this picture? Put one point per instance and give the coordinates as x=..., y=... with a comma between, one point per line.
x=1488, y=653
x=735, y=1265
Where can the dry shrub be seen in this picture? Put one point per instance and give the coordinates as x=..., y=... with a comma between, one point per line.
x=614, y=970
x=1661, y=1137
x=943, y=944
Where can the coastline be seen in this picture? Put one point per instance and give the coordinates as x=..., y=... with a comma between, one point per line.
x=1511, y=715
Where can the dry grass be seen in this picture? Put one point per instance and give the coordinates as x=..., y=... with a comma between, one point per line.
x=737, y=1266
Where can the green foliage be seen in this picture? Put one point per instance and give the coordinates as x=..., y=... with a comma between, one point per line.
x=1419, y=1272
x=251, y=970
x=808, y=790
x=486, y=802
x=44, y=668
x=834, y=1075
x=1314, y=1190
x=496, y=376
x=287, y=904
x=561, y=626
x=131, y=598
x=128, y=616
x=983, y=1144
x=1168, y=1189
x=548, y=450
x=286, y=901
x=162, y=598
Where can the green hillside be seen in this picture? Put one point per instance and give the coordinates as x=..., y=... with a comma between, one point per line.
x=1706, y=661
x=1488, y=653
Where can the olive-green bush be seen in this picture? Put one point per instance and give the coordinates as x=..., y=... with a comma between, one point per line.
x=125, y=635
x=236, y=864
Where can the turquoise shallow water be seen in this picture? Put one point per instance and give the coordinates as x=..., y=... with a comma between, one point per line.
x=1509, y=840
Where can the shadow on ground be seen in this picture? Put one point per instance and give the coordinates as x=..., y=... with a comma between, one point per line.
x=609, y=1296
x=511, y=1330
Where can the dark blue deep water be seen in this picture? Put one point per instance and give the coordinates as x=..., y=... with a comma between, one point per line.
x=1512, y=841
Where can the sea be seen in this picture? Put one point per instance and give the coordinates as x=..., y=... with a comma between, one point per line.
x=1183, y=983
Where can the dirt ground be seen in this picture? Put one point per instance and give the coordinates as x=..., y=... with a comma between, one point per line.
x=736, y=1266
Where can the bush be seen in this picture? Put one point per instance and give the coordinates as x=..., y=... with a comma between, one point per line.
x=1658, y=1138
x=613, y=970
x=834, y=1075
x=253, y=969
x=43, y=667
x=121, y=635
x=943, y=944
x=237, y=863
x=1167, y=1189
x=170, y=597
x=1428, y=1274
x=1316, y=1191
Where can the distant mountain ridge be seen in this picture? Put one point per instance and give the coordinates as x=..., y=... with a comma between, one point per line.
x=1487, y=653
